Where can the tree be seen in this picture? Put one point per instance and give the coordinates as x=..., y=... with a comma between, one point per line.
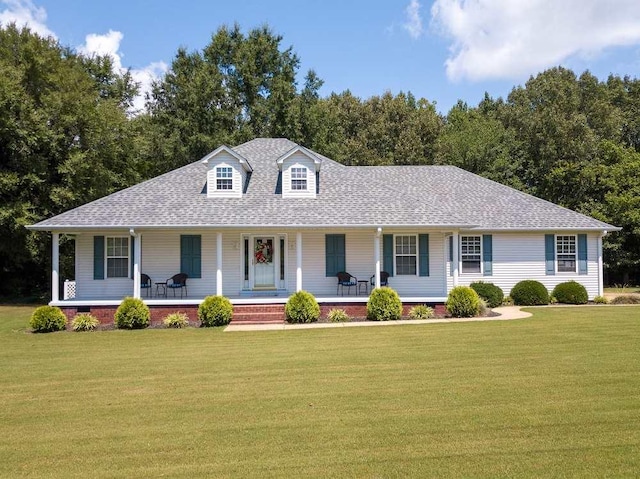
x=64, y=140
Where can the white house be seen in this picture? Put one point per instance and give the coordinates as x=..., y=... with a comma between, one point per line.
x=269, y=217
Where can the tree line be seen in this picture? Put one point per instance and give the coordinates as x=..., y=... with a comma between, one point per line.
x=68, y=135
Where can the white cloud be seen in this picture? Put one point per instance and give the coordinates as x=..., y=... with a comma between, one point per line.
x=507, y=39
x=25, y=13
x=413, y=25
x=109, y=44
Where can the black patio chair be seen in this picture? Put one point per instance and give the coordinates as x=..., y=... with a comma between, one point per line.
x=345, y=279
x=145, y=283
x=178, y=281
x=384, y=279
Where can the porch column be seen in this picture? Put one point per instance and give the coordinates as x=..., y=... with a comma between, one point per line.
x=376, y=255
x=298, y=261
x=219, y=264
x=137, y=254
x=55, y=267
x=600, y=270
x=455, y=254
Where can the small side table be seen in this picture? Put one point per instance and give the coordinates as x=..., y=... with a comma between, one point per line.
x=363, y=283
x=161, y=289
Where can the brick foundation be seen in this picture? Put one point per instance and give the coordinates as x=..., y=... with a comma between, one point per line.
x=245, y=313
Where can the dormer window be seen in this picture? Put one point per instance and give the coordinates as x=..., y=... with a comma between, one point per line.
x=224, y=178
x=299, y=179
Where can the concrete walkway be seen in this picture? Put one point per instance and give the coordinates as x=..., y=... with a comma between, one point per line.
x=505, y=313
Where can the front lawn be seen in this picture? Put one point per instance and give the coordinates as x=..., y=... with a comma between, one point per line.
x=554, y=395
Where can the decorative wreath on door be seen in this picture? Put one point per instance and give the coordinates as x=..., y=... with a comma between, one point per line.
x=263, y=253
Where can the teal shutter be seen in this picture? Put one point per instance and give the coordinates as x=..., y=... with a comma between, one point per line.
x=98, y=257
x=582, y=254
x=191, y=255
x=487, y=254
x=550, y=254
x=450, y=255
x=133, y=251
x=423, y=252
x=387, y=254
x=335, y=255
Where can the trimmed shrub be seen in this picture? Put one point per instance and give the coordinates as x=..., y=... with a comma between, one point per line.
x=491, y=293
x=570, y=292
x=302, y=307
x=176, y=320
x=132, y=314
x=529, y=293
x=338, y=316
x=422, y=311
x=84, y=322
x=46, y=319
x=626, y=299
x=215, y=311
x=600, y=300
x=463, y=302
x=384, y=305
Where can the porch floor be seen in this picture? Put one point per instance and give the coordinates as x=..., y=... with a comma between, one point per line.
x=239, y=299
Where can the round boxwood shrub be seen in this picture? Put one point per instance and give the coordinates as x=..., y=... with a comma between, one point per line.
x=570, y=292
x=302, y=307
x=384, y=305
x=529, y=293
x=492, y=294
x=84, y=322
x=215, y=311
x=463, y=302
x=47, y=318
x=132, y=314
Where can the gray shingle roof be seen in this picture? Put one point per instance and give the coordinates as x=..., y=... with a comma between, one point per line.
x=350, y=196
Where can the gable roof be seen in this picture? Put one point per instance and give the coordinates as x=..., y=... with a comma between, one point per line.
x=224, y=148
x=349, y=196
x=300, y=149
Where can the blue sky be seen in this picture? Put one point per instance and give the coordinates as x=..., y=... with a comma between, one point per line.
x=442, y=50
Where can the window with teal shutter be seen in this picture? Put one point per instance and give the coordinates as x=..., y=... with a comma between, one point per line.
x=387, y=254
x=487, y=254
x=423, y=252
x=191, y=255
x=335, y=256
x=582, y=254
x=98, y=257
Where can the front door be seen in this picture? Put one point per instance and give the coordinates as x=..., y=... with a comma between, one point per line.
x=264, y=272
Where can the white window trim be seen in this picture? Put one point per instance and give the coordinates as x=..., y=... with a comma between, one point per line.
x=306, y=178
x=395, y=255
x=219, y=171
x=106, y=257
x=481, y=272
x=555, y=260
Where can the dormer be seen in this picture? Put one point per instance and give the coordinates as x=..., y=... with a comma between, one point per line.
x=227, y=173
x=299, y=168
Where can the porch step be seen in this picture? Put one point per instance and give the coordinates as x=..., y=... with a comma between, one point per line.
x=258, y=314
x=258, y=318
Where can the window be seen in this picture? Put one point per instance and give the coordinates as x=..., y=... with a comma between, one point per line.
x=566, y=253
x=299, y=178
x=118, y=257
x=224, y=178
x=406, y=255
x=471, y=254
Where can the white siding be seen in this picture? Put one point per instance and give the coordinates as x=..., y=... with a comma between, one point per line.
x=223, y=159
x=519, y=256
x=298, y=160
x=360, y=262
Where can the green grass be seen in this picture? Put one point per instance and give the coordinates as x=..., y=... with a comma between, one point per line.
x=623, y=289
x=556, y=395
